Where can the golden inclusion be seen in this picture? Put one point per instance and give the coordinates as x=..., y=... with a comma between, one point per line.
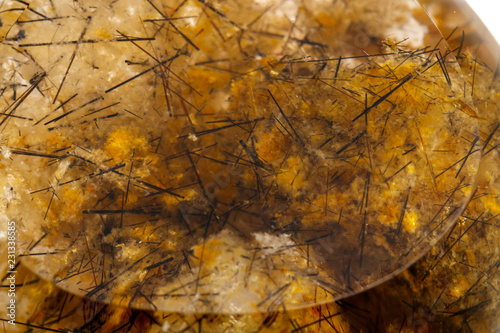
x=178, y=156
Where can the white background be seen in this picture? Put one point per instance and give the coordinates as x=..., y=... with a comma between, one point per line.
x=488, y=11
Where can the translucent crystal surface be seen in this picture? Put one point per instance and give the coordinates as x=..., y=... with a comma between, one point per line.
x=231, y=156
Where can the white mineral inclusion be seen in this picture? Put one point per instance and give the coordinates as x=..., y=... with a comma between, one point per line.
x=271, y=244
x=192, y=13
x=62, y=169
x=7, y=193
x=165, y=327
x=6, y=152
x=411, y=30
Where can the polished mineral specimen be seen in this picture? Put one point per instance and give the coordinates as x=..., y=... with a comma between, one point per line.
x=180, y=156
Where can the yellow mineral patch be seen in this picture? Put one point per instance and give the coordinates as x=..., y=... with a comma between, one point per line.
x=271, y=145
x=114, y=318
x=211, y=252
x=72, y=199
x=410, y=221
x=201, y=78
x=325, y=19
x=103, y=33
x=491, y=203
x=459, y=287
x=145, y=233
x=123, y=142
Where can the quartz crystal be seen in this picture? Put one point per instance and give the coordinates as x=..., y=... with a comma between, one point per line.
x=248, y=165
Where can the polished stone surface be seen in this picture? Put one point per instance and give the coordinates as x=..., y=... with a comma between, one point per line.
x=238, y=163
